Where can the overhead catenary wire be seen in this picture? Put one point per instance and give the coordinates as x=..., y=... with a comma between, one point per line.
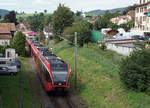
x=75, y=55
x=62, y=37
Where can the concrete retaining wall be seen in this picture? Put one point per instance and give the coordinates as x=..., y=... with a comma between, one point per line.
x=119, y=49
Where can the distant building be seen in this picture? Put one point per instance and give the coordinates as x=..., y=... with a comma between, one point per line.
x=131, y=13
x=123, y=19
x=48, y=32
x=7, y=31
x=142, y=21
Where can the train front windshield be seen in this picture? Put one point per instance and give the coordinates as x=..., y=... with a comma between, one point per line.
x=60, y=72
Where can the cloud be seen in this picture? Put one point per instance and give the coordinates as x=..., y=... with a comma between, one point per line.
x=7, y=4
x=42, y=2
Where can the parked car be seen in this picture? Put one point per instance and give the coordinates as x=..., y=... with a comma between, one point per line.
x=1, y=55
x=18, y=63
x=138, y=37
x=4, y=70
x=8, y=65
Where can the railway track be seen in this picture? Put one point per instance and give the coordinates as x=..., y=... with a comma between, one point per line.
x=62, y=102
x=53, y=99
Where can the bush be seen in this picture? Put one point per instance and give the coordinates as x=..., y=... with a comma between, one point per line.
x=135, y=70
x=102, y=46
x=2, y=49
x=18, y=43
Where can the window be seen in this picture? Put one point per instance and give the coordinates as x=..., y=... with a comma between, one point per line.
x=2, y=62
x=145, y=8
x=144, y=18
x=137, y=10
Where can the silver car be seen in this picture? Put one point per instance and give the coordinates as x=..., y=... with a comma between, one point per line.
x=4, y=70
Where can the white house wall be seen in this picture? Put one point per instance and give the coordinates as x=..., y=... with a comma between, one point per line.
x=4, y=42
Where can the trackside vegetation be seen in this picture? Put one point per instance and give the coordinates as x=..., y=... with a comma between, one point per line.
x=135, y=70
x=98, y=77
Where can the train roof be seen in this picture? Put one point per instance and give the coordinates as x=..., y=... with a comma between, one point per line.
x=51, y=58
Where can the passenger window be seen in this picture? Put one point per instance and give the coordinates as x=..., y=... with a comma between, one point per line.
x=2, y=62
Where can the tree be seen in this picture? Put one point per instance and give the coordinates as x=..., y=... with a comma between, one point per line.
x=116, y=14
x=11, y=17
x=78, y=13
x=83, y=32
x=18, y=43
x=103, y=21
x=127, y=26
x=35, y=12
x=45, y=11
x=113, y=26
x=134, y=70
x=2, y=49
x=41, y=37
x=36, y=22
x=47, y=20
x=128, y=9
x=62, y=18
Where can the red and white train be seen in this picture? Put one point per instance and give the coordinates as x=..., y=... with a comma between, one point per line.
x=53, y=72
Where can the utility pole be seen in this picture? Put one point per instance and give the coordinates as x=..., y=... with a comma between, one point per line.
x=75, y=60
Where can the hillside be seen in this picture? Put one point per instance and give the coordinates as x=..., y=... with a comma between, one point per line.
x=99, y=11
x=3, y=12
x=98, y=79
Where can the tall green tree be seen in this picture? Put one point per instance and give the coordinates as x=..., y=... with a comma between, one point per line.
x=11, y=17
x=45, y=11
x=41, y=37
x=104, y=21
x=62, y=18
x=36, y=22
x=47, y=20
x=18, y=43
x=2, y=49
x=83, y=32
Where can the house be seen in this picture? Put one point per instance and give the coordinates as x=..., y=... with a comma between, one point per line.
x=142, y=19
x=121, y=19
x=124, y=19
x=7, y=31
x=131, y=13
x=48, y=32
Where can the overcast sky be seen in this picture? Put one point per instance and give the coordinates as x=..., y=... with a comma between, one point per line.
x=30, y=6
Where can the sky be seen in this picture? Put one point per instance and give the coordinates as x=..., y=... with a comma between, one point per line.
x=30, y=6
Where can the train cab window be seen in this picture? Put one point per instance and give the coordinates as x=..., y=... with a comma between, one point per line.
x=59, y=67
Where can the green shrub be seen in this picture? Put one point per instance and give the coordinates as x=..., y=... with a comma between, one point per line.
x=2, y=49
x=135, y=70
x=102, y=46
x=18, y=43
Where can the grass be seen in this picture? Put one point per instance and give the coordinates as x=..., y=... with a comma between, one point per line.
x=10, y=88
x=98, y=79
x=27, y=15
